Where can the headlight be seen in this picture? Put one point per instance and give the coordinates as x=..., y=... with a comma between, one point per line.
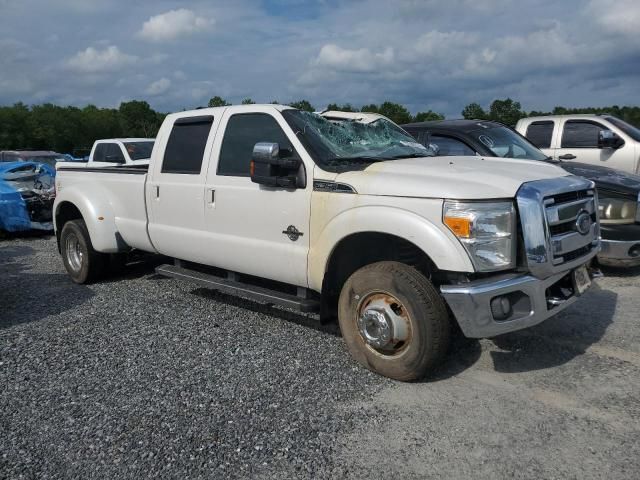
x=487, y=230
x=617, y=209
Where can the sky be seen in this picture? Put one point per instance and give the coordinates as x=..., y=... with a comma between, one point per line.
x=426, y=54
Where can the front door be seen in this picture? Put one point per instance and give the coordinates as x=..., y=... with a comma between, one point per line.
x=252, y=228
x=578, y=142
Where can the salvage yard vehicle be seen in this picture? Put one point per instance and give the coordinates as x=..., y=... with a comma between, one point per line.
x=347, y=220
x=588, y=138
x=27, y=192
x=38, y=156
x=119, y=151
x=618, y=192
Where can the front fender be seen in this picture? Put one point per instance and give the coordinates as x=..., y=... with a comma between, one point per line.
x=97, y=213
x=440, y=245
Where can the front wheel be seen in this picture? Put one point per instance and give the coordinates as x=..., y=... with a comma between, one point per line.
x=393, y=320
x=82, y=262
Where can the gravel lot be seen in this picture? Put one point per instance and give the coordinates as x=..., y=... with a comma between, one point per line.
x=145, y=376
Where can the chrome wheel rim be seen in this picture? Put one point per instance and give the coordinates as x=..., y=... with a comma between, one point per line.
x=74, y=252
x=384, y=323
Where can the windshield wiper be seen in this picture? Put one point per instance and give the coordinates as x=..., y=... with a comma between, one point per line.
x=411, y=155
x=358, y=159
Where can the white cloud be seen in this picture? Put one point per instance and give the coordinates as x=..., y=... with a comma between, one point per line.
x=361, y=60
x=173, y=24
x=92, y=60
x=158, y=87
x=617, y=16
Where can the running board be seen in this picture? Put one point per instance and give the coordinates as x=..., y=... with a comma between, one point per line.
x=236, y=288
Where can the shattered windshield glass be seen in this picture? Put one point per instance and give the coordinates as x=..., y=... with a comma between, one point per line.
x=340, y=145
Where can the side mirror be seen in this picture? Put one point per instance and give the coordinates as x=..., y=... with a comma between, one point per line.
x=273, y=167
x=609, y=139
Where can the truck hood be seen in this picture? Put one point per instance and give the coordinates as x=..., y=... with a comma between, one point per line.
x=605, y=177
x=449, y=177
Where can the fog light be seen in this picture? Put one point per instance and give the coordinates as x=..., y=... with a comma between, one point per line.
x=634, y=251
x=501, y=308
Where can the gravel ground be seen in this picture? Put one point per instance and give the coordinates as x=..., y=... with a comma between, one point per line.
x=145, y=376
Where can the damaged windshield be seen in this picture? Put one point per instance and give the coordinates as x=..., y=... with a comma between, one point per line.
x=338, y=146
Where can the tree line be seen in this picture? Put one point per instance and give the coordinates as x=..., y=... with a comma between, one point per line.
x=73, y=130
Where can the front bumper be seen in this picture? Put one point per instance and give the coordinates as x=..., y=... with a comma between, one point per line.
x=617, y=253
x=533, y=301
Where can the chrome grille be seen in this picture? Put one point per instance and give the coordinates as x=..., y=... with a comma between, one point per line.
x=549, y=212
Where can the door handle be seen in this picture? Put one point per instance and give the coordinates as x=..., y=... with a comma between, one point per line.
x=567, y=156
x=212, y=197
x=157, y=191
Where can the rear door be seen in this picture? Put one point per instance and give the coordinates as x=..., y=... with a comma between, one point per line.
x=578, y=142
x=541, y=134
x=252, y=228
x=175, y=193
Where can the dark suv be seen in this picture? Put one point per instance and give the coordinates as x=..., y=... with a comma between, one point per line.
x=618, y=192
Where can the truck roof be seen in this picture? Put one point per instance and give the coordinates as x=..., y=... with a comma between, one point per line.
x=567, y=115
x=236, y=108
x=126, y=140
x=460, y=125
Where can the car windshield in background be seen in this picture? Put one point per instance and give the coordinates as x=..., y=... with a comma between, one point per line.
x=630, y=130
x=504, y=142
x=139, y=150
x=347, y=142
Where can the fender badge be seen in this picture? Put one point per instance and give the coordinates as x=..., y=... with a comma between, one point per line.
x=293, y=233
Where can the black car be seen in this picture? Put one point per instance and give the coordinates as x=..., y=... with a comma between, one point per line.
x=618, y=192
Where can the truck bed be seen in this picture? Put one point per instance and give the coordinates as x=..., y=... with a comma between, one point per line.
x=118, y=196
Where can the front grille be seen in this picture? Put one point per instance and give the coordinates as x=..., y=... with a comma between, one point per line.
x=562, y=212
x=551, y=214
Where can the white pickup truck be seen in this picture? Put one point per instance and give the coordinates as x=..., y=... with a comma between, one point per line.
x=595, y=139
x=348, y=220
x=111, y=152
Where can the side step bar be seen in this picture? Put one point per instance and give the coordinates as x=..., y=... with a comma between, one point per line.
x=234, y=287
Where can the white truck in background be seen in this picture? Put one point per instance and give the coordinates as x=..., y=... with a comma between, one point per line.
x=111, y=152
x=349, y=220
x=595, y=139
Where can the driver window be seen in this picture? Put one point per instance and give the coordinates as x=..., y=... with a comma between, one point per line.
x=448, y=146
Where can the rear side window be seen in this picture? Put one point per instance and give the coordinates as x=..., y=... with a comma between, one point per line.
x=114, y=154
x=448, y=146
x=243, y=131
x=185, y=148
x=581, y=134
x=100, y=153
x=539, y=133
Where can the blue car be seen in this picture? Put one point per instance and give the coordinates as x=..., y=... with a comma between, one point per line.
x=27, y=192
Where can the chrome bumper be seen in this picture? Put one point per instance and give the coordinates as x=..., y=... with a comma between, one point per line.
x=617, y=254
x=533, y=302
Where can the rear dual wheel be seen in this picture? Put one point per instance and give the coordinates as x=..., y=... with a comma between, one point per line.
x=393, y=320
x=82, y=262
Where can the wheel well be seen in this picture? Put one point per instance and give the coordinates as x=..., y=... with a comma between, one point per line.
x=66, y=211
x=360, y=249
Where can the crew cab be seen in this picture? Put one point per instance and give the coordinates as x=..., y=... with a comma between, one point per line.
x=353, y=221
x=594, y=139
x=118, y=151
x=618, y=192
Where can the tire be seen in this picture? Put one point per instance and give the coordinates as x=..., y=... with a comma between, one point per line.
x=402, y=293
x=82, y=262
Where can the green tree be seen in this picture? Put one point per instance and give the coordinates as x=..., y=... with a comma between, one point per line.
x=218, y=102
x=506, y=111
x=395, y=112
x=247, y=101
x=303, y=105
x=138, y=119
x=347, y=107
x=474, y=111
x=427, y=116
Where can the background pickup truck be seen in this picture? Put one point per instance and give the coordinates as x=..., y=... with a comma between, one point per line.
x=594, y=139
x=117, y=151
x=349, y=220
x=618, y=192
